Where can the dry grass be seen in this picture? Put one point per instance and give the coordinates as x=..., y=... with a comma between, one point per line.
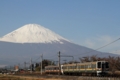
x=14, y=77
x=10, y=77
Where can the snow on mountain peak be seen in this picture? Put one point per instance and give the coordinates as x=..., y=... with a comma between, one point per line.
x=32, y=33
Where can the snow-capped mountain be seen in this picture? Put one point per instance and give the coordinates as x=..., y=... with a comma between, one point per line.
x=32, y=40
x=32, y=33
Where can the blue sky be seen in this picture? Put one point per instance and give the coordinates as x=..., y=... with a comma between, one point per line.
x=91, y=23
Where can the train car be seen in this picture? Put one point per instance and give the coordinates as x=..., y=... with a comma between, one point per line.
x=88, y=68
x=51, y=69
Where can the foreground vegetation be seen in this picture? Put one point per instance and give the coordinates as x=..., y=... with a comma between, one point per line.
x=8, y=77
x=18, y=77
x=14, y=77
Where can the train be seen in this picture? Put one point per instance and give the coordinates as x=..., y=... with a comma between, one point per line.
x=97, y=68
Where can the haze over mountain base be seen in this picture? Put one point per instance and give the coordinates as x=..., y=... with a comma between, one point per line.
x=14, y=53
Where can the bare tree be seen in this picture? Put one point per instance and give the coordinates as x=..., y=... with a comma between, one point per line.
x=118, y=63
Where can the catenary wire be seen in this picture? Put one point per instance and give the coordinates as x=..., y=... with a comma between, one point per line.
x=100, y=47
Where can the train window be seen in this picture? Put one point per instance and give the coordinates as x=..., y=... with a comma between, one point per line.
x=86, y=66
x=89, y=66
x=69, y=67
x=74, y=67
x=78, y=67
x=107, y=65
x=82, y=66
x=99, y=64
x=93, y=66
x=64, y=67
x=52, y=68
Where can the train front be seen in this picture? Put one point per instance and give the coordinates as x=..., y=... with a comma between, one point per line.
x=102, y=68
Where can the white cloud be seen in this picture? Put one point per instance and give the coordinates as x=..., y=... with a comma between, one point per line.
x=90, y=43
x=99, y=41
x=115, y=52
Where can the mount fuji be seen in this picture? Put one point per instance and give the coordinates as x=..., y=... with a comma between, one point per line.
x=32, y=33
x=32, y=40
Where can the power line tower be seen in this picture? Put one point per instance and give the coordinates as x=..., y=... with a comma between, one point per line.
x=25, y=65
x=59, y=63
x=41, y=63
x=59, y=58
x=31, y=65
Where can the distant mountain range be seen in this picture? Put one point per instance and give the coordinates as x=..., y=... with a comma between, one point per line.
x=32, y=40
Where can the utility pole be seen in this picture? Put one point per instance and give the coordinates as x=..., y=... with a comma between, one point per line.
x=41, y=63
x=19, y=65
x=25, y=65
x=31, y=65
x=59, y=62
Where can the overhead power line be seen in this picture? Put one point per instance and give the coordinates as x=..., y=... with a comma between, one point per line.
x=102, y=46
x=108, y=44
